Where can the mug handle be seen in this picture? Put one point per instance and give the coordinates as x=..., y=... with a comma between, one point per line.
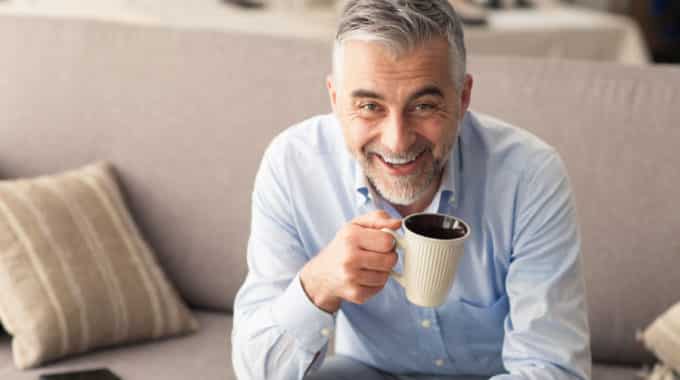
x=400, y=243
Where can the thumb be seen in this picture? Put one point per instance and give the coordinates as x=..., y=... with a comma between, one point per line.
x=377, y=220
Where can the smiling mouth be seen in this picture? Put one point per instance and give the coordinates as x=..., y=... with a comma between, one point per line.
x=399, y=161
x=401, y=166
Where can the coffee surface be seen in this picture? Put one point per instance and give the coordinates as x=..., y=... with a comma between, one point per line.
x=436, y=226
x=438, y=232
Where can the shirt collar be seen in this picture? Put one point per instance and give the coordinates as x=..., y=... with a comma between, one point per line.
x=364, y=194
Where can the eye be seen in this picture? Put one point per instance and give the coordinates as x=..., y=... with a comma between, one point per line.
x=424, y=107
x=369, y=107
x=370, y=110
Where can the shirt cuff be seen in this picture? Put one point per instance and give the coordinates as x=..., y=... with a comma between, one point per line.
x=299, y=317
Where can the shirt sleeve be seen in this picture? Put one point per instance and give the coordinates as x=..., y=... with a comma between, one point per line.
x=546, y=332
x=278, y=332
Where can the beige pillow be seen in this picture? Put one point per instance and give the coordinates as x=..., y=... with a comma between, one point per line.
x=663, y=337
x=661, y=372
x=75, y=274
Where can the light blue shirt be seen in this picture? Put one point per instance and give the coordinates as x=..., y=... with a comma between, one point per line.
x=517, y=309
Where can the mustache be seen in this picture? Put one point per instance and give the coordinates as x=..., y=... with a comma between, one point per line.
x=420, y=146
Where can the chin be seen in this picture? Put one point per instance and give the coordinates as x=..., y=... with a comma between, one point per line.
x=409, y=191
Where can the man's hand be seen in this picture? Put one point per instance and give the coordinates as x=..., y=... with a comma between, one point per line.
x=355, y=265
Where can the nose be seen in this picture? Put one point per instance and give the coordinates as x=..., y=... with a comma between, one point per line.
x=396, y=135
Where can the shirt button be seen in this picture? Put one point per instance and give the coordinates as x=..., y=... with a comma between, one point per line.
x=426, y=323
x=326, y=332
x=439, y=363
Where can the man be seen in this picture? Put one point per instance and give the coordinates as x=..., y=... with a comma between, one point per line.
x=401, y=140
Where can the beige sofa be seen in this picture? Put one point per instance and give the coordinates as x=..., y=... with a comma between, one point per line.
x=185, y=115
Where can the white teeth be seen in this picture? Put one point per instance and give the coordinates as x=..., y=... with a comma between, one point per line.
x=398, y=161
x=401, y=160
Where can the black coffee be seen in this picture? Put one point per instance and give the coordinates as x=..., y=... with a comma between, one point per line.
x=440, y=233
x=436, y=226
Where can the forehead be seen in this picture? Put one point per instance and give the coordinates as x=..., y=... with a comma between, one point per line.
x=372, y=62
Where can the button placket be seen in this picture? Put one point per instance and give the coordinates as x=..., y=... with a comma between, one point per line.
x=441, y=357
x=427, y=320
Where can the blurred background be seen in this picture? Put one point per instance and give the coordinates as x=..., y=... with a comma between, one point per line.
x=626, y=31
x=659, y=21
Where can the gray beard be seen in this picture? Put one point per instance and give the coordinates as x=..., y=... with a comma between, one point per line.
x=404, y=190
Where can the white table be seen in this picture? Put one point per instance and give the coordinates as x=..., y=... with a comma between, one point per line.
x=553, y=32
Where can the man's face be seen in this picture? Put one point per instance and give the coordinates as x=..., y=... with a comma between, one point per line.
x=400, y=115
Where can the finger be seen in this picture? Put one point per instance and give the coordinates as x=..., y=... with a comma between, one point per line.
x=372, y=278
x=377, y=220
x=381, y=262
x=375, y=240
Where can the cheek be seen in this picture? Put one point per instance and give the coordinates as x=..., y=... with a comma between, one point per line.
x=357, y=135
x=441, y=136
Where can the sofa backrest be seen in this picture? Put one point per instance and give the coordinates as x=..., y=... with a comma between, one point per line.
x=184, y=115
x=618, y=130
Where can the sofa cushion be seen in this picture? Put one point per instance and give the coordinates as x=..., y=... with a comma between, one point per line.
x=663, y=337
x=203, y=355
x=614, y=372
x=75, y=274
x=662, y=372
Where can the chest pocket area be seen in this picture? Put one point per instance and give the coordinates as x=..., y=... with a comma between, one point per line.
x=483, y=328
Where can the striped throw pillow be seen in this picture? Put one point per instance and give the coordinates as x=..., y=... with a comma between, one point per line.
x=662, y=372
x=75, y=274
x=663, y=338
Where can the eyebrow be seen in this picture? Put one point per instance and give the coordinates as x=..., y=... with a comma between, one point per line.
x=366, y=94
x=427, y=90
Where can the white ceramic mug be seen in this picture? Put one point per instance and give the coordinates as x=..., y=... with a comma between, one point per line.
x=432, y=245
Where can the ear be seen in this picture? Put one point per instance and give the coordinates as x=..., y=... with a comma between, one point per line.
x=332, y=91
x=466, y=94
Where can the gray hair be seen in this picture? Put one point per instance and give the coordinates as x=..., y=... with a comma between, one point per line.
x=402, y=25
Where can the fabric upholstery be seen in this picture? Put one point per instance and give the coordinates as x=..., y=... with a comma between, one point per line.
x=662, y=372
x=184, y=115
x=617, y=129
x=663, y=337
x=74, y=272
x=613, y=372
x=204, y=355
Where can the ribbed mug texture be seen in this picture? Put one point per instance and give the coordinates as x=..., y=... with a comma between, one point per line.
x=429, y=268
